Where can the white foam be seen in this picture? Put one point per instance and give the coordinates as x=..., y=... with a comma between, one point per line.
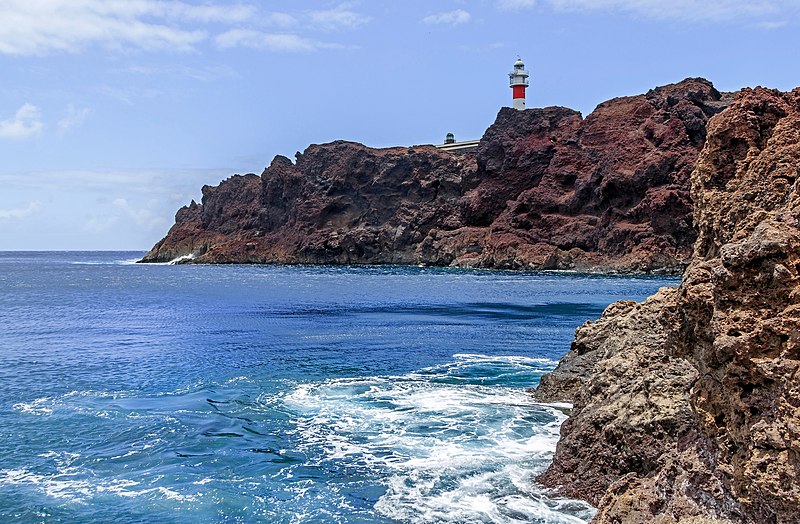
x=449, y=452
x=72, y=402
x=75, y=484
x=508, y=365
x=39, y=406
x=559, y=405
x=183, y=258
x=128, y=261
x=512, y=359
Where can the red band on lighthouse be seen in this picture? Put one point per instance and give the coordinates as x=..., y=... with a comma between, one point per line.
x=518, y=81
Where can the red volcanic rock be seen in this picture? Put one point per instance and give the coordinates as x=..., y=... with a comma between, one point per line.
x=546, y=189
x=340, y=203
x=687, y=406
x=608, y=191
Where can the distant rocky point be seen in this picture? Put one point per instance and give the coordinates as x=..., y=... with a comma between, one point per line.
x=546, y=189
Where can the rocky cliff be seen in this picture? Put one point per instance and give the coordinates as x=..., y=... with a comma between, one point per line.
x=546, y=189
x=687, y=406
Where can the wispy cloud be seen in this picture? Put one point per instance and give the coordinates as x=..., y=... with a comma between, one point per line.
x=482, y=48
x=39, y=27
x=127, y=95
x=16, y=214
x=43, y=27
x=209, y=73
x=145, y=217
x=283, y=20
x=341, y=17
x=684, y=10
x=73, y=117
x=513, y=5
x=252, y=39
x=457, y=17
x=769, y=26
x=101, y=223
x=178, y=10
x=689, y=10
x=121, y=209
x=26, y=123
x=129, y=182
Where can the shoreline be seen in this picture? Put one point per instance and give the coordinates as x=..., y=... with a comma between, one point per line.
x=589, y=271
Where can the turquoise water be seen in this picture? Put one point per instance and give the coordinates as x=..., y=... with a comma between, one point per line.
x=161, y=393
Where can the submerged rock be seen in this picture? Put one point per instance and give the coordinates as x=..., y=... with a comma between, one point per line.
x=690, y=411
x=546, y=189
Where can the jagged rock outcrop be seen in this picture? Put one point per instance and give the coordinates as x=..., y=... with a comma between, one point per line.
x=340, y=203
x=630, y=398
x=691, y=408
x=545, y=189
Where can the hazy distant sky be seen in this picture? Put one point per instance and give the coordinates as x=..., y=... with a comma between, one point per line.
x=113, y=113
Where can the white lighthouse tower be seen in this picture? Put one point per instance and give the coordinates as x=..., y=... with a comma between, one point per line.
x=518, y=80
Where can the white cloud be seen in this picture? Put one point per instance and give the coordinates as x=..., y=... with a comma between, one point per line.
x=96, y=209
x=208, y=73
x=457, y=17
x=42, y=27
x=281, y=20
x=690, y=10
x=686, y=10
x=769, y=26
x=512, y=5
x=268, y=41
x=39, y=27
x=482, y=48
x=127, y=95
x=26, y=123
x=145, y=217
x=97, y=224
x=224, y=12
x=340, y=17
x=129, y=182
x=11, y=214
x=73, y=117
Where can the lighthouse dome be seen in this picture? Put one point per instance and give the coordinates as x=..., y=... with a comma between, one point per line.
x=519, y=63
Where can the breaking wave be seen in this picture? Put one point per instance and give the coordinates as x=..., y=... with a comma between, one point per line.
x=449, y=448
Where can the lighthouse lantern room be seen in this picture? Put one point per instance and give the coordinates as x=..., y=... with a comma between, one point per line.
x=518, y=80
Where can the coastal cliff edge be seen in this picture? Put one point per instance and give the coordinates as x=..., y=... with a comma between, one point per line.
x=687, y=406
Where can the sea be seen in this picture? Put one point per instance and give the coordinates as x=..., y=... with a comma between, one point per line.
x=288, y=394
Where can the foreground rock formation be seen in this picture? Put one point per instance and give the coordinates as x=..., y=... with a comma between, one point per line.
x=687, y=406
x=546, y=189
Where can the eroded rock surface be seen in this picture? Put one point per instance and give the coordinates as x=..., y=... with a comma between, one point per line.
x=691, y=411
x=546, y=189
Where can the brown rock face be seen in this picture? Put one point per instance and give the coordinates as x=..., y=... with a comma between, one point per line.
x=631, y=406
x=710, y=425
x=546, y=189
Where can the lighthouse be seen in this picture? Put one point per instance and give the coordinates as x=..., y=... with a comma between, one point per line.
x=518, y=80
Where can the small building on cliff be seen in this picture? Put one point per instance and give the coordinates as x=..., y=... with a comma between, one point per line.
x=452, y=146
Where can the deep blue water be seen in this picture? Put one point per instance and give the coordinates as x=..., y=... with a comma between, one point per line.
x=163, y=393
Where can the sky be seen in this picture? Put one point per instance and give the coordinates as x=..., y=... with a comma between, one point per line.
x=114, y=113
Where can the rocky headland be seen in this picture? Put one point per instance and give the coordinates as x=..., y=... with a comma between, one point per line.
x=687, y=406
x=546, y=189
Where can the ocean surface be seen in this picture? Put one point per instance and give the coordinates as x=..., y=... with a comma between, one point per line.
x=173, y=393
